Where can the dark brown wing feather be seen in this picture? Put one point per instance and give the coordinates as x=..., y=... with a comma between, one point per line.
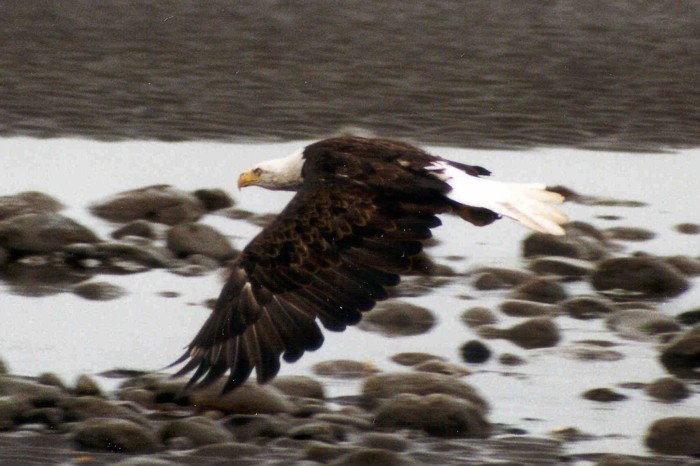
x=329, y=256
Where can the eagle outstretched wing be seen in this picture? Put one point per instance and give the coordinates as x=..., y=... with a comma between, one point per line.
x=330, y=255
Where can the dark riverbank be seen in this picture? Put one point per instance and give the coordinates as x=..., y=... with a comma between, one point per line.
x=620, y=75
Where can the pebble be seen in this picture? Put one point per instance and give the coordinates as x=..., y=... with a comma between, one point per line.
x=686, y=265
x=688, y=228
x=441, y=367
x=86, y=386
x=690, y=317
x=384, y=441
x=373, y=457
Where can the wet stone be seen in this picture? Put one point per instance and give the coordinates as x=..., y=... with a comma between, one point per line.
x=99, y=291
x=690, y=317
x=227, y=450
x=510, y=359
x=629, y=234
x=357, y=422
x=194, y=238
x=603, y=395
x=140, y=228
x=478, y=316
x=506, y=277
x=249, y=398
x=437, y=414
x=566, y=268
x=51, y=379
x=11, y=408
x=315, y=430
x=117, y=435
x=521, y=308
x=344, y=369
x=540, y=290
x=688, y=228
x=28, y=202
x=582, y=241
x=214, y=199
x=667, y=389
x=474, y=351
x=382, y=441
x=86, y=386
x=324, y=453
x=641, y=324
x=299, y=386
x=683, y=353
x=441, y=367
x=398, y=318
x=249, y=426
x=587, y=307
x=686, y=265
x=675, y=436
x=159, y=203
x=385, y=386
x=373, y=457
x=531, y=334
x=42, y=233
x=198, y=430
x=647, y=276
x=413, y=359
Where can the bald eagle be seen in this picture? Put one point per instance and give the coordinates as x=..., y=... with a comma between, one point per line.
x=362, y=209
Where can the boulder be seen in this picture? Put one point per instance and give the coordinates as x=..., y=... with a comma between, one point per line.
x=475, y=351
x=682, y=354
x=300, y=386
x=214, y=199
x=99, y=291
x=667, y=389
x=478, y=316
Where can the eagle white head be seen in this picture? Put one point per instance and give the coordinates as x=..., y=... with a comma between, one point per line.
x=278, y=174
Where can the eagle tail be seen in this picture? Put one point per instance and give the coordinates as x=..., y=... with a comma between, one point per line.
x=529, y=204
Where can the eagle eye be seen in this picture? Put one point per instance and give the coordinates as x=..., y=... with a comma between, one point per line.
x=257, y=171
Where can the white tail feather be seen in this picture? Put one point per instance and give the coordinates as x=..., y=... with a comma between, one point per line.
x=529, y=204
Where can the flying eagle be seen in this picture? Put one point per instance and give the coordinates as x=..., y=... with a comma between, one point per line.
x=362, y=209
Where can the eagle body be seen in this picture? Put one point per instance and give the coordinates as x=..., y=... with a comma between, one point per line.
x=362, y=209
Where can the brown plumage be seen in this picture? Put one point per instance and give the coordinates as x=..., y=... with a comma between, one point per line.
x=361, y=212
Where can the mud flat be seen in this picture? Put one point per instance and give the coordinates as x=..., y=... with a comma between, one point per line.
x=507, y=346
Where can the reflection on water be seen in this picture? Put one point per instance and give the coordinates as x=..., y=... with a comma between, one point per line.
x=619, y=74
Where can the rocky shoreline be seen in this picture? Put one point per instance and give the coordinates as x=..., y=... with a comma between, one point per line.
x=428, y=414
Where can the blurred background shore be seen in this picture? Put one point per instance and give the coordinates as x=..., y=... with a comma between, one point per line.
x=618, y=75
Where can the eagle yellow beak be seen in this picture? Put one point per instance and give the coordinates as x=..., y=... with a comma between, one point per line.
x=247, y=178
